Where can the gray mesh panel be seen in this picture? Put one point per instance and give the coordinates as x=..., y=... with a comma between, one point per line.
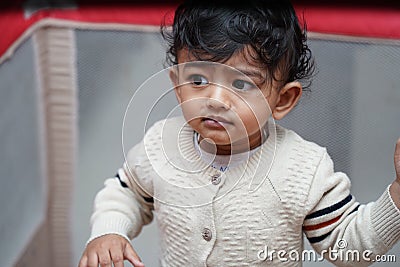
x=22, y=190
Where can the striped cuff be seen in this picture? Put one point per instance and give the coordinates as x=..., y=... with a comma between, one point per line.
x=319, y=224
x=385, y=217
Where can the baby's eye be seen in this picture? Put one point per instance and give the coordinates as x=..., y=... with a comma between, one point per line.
x=242, y=85
x=198, y=80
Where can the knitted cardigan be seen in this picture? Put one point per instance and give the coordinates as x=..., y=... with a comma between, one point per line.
x=254, y=214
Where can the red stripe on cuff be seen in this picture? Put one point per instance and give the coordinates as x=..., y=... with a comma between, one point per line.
x=321, y=225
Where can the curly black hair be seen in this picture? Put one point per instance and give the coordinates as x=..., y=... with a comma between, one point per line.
x=215, y=30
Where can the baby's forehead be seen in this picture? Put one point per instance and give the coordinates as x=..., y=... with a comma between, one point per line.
x=241, y=71
x=245, y=54
x=240, y=62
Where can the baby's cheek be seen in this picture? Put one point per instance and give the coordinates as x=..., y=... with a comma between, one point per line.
x=255, y=118
x=194, y=123
x=262, y=112
x=190, y=111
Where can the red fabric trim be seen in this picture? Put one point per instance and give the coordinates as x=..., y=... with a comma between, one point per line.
x=13, y=23
x=321, y=225
x=370, y=21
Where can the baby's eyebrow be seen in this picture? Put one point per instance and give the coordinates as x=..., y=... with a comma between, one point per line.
x=251, y=73
x=197, y=64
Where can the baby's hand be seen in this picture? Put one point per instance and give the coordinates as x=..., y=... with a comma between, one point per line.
x=107, y=250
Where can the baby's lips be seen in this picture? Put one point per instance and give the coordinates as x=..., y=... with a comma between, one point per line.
x=218, y=119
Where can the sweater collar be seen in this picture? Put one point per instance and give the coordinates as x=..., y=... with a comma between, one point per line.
x=253, y=172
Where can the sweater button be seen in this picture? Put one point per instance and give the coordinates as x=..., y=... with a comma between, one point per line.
x=216, y=179
x=207, y=235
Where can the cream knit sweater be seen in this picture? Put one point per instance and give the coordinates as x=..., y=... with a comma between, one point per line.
x=247, y=214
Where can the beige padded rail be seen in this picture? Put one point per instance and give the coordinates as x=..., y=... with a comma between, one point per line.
x=55, y=53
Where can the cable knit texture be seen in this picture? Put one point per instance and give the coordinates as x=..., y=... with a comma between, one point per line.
x=212, y=218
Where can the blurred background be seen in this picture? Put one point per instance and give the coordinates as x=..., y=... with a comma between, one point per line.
x=68, y=70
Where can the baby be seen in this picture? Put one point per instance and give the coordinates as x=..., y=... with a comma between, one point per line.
x=224, y=180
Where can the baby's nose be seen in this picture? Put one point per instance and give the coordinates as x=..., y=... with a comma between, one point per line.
x=219, y=97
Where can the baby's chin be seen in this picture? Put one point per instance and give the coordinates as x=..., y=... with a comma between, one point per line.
x=216, y=141
x=239, y=145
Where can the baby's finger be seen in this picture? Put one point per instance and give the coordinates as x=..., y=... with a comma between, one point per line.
x=131, y=256
x=92, y=260
x=105, y=258
x=117, y=256
x=84, y=261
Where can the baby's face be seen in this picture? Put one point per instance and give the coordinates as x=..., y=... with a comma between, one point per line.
x=223, y=102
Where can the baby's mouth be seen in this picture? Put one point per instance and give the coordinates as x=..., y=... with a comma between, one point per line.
x=216, y=122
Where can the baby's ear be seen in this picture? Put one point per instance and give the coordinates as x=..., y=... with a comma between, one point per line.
x=173, y=76
x=287, y=99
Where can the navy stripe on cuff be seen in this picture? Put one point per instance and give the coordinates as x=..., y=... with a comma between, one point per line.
x=123, y=184
x=330, y=209
x=316, y=239
x=355, y=209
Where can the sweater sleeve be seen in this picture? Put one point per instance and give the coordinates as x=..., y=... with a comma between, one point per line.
x=124, y=205
x=340, y=229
